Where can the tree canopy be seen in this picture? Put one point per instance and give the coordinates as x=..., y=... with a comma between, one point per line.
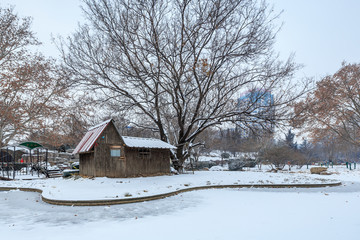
x=32, y=87
x=179, y=67
x=333, y=107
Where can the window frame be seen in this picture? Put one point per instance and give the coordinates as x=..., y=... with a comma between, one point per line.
x=144, y=153
x=116, y=148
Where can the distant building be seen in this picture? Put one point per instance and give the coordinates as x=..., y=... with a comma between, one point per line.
x=259, y=104
x=104, y=153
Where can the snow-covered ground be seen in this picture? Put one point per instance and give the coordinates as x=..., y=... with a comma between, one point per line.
x=110, y=188
x=216, y=156
x=323, y=213
x=24, y=176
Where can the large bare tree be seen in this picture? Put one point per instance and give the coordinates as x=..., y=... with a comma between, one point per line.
x=179, y=66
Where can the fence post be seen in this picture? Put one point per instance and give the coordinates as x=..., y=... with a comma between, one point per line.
x=31, y=165
x=46, y=160
x=14, y=163
x=38, y=164
x=7, y=162
x=2, y=163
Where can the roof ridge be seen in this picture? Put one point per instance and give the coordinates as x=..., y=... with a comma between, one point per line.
x=142, y=138
x=100, y=124
x=88, y=141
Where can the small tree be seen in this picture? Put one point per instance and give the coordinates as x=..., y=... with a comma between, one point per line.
x=307, y=149
x=281, y=155
x=277, y=156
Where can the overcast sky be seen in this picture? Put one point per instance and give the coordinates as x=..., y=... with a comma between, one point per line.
x=321, y=33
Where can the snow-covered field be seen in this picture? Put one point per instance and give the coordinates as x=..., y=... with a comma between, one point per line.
x=110, y=188
x=324, y=213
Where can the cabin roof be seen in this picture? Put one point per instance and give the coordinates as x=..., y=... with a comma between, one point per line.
x=88, y=141
x=146, y=143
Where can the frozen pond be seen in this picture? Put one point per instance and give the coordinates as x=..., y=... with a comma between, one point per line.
x=27, y=208
x=325, y=213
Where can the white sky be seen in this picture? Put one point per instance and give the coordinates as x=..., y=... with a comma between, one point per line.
x=321, y=33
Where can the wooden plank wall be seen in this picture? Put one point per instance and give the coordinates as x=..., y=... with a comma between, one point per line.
x=159, y=163
x=100, y=163
x=105, y=164
x=86, y=164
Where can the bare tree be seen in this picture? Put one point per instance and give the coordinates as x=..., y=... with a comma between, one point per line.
x=308, y=151
x=179, y=66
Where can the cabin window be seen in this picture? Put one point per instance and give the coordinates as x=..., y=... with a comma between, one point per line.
x=144, y=153
x=115, y=152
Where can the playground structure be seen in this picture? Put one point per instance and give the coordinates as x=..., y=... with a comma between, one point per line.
x=33, y=161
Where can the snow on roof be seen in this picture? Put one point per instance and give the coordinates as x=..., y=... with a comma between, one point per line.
x=11, y=148
x=146, y=143
x=88, y=141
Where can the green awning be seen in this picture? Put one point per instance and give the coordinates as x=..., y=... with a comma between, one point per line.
x=31, y=145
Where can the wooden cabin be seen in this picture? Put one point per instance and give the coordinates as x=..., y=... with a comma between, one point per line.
x=104, y=153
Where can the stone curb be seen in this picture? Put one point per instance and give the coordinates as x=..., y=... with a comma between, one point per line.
x=161, y=196
x=5, y=179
